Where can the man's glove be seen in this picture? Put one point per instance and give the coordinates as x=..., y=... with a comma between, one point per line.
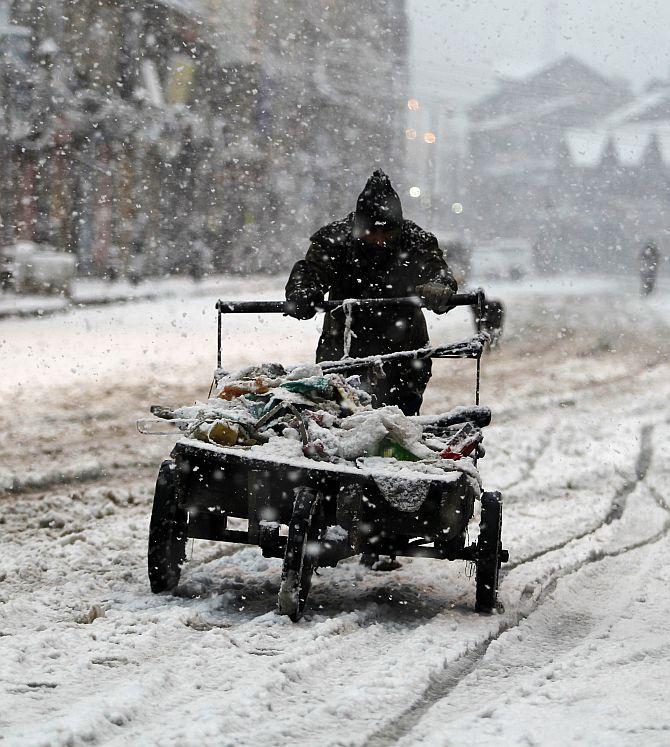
x=304, y=307
x=436, y=296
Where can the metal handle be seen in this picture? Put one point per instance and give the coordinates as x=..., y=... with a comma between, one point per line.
x=280, y=307
x=476, y=299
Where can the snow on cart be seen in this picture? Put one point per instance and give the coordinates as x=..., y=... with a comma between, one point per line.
x=319, y=473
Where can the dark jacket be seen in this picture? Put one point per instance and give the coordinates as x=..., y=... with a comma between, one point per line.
x=344, y=267
x=649, y=258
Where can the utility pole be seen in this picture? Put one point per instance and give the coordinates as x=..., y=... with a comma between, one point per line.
x=6, y=170
x=6, y=98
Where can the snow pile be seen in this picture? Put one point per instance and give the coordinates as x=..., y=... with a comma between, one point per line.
x=362, y=433
x=404, y=484
x=402, y=493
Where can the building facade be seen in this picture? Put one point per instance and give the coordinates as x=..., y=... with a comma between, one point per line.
x=617, y=174
x=333, y=91
x=109, y=126
x=519, y=173
x=140, y=126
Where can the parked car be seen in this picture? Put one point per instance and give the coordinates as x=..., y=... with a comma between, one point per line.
x=510, y=259
x=27, y=267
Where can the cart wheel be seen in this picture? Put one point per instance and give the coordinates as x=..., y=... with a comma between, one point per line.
x=299, y=561
x=489, y=552
x=167, y=533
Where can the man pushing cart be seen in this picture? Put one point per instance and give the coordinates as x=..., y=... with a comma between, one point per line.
x=375, y=253
x=331, y=460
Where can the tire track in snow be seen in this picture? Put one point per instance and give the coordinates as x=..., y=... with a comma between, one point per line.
x=569, y=629
x=532, y=461
x=568, y=397
x=294, y=671
x=617, y=505
x=82, y=476
x=443, y=682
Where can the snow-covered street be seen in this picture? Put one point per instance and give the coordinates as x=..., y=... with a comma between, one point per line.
x=579, y=392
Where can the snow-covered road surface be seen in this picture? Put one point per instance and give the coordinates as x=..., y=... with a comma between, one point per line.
x=580, y=654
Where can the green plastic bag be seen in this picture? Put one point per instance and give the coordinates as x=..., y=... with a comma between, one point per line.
x=389, y=448
x=318, y=385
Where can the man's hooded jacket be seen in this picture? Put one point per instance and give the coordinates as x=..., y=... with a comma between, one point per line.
x=342, y=265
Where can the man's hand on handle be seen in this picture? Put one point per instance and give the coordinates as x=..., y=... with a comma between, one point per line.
x=303, y=307
x=436, y=296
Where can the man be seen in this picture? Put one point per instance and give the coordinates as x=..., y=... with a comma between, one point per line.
x=375, y=253
x=648, y=267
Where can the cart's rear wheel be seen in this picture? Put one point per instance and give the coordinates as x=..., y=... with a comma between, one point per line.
x=300, y=559
x=167, y=533
x=489, y=552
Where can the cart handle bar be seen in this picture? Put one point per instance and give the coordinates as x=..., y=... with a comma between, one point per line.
x=476, y=299
x=282, y=307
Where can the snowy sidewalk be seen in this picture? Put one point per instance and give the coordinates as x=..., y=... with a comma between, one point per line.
x=89, y=292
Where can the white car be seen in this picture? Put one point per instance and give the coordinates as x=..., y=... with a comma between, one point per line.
x=510, y=259
x=26, y=267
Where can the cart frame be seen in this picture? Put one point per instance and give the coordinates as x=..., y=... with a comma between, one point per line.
x=314, y=513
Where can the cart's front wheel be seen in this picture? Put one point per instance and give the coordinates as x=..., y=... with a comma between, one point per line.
x=301, y=556
x=489, y=552
x=167, y=533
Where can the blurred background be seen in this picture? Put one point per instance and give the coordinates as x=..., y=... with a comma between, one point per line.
x=158, y=155
x=143, y=139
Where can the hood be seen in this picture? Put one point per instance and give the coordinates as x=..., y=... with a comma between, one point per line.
x=378, y=206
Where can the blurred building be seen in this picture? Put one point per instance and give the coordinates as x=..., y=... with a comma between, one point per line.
x=108, y=128
x=333, y=85
x=618, y=172
x=518, y=170
x=139, y=127
x=320, y=105
x=15, y=75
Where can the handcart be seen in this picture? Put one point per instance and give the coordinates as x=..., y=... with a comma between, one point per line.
x=314, y=513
